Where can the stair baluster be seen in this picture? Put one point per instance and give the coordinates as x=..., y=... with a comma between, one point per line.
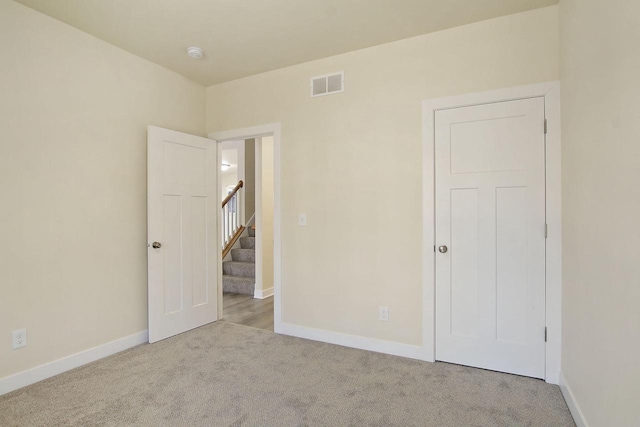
x=232, y=227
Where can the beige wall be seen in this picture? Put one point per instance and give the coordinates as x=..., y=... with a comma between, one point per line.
x=227, y=179
x=73, y=117
x=601, y=208
x=265, y=226
x=249, y=178
x=344, y=155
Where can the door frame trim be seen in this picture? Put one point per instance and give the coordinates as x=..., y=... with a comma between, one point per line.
x=271, y=129
x=553, y=254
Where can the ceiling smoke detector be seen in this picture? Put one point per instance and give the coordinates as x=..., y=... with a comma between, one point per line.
x=195, y=52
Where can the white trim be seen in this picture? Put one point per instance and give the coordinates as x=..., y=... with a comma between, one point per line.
x=552, y=377
x=258, y=213
x=554, y=239
x=48, y=370
x=551, y=93
x=263, y=293
x=353, y=341
x=572, y=403
x=256, y=132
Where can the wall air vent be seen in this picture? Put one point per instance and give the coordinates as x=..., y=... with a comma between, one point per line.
x=327, y=85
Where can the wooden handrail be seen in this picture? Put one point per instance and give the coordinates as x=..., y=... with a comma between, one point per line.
x=233, y=193
x=232, y=242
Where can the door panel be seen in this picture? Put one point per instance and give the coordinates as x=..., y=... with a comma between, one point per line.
x=490, y=213
x=470, y=141
x=182, y=215
x=199, y=216
x=464, y=280
x=172, y=248
x=511, y=263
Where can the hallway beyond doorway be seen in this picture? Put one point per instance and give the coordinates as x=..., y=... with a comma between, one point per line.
x=247, y=310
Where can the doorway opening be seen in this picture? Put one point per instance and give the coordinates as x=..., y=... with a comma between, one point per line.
x=246, y=181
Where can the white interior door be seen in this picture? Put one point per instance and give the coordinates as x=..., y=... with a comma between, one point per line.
x=490, y=214
x=182, y=212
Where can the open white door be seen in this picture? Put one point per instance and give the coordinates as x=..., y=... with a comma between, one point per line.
x=182, y=212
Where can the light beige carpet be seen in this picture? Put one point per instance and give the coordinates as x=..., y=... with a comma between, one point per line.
x=231, y=375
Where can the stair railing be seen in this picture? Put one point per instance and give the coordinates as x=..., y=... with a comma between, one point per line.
x=231, y=219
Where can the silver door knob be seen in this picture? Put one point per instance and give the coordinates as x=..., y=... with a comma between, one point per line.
x=443, y=249
x=156, y=245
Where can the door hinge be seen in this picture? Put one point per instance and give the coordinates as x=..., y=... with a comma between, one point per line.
x=546, y=231
x=545, y=334
x=545, y=126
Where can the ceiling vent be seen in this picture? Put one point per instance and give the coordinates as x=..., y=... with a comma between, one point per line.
x=328, y=84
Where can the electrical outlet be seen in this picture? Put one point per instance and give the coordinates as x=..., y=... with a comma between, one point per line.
x=302, y=219
x=383, y=313
x=19, y=338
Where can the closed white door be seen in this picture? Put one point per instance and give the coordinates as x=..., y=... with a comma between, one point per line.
x=490, y=233
x=182, y=211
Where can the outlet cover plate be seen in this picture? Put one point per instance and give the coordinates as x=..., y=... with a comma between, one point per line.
x=19, y=338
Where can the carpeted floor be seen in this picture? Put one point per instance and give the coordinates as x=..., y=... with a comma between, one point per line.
x=230, y=375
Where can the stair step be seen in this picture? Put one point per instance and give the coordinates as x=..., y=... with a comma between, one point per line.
x=252, y=231
x=239, y=268
x=238, y=285
x=245, y=255
x=248, y=242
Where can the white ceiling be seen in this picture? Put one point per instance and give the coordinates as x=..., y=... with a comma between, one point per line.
x=246, y=37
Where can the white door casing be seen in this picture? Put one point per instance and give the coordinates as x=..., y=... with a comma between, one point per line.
x=490, y=213
x=182, y=212
x=271, y=129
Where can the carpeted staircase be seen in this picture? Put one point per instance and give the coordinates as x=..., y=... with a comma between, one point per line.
x=239, y=275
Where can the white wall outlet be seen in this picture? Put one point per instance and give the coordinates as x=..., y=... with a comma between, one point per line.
x=19, y=338
x=302, y=219
x=383, y=313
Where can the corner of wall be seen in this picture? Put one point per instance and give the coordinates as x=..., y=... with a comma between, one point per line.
x=572, y=403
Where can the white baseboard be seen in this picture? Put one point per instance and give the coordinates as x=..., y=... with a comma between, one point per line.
x=48, y=370
x=576, y=412
x=353, y=341
x=263, y=293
